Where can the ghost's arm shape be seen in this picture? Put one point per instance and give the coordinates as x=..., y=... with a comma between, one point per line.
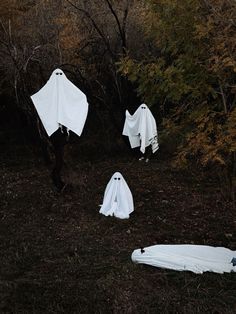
x=45, y=102
x=72, y=106
x=131, y=127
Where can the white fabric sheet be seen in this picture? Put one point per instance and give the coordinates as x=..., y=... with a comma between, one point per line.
x=60, y=102
x=195, y=258
x=118, y=199
x=141, y=129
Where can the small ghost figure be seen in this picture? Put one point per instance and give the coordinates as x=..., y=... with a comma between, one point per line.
x=60, y=103
x=118, y=200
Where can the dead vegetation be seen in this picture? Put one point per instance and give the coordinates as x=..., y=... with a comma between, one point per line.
x=58, y=255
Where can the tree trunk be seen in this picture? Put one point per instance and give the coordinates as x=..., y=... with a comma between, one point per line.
x=59, y=140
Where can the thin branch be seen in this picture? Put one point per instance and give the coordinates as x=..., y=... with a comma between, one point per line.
x=122, y=27
x=115, y=16
x=126, y=12
x=86, y=13
x=30, y=57
x=223, y=98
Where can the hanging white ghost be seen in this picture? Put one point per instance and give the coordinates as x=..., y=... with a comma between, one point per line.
x=60, y=102
x=194, y=258
x=117, y=200
x=141, y=129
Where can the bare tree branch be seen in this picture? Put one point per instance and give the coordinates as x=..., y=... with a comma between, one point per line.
x=99, y=31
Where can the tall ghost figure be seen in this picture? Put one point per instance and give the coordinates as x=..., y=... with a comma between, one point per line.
x=141, y=129
x=118, y=200
x=60, y=102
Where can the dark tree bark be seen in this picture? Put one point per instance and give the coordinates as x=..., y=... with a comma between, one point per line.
x=59, y=139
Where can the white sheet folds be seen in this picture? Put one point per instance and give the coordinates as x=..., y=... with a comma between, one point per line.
x=194, y=258
x=141, y=129
x=118, y=200
x=60, y=102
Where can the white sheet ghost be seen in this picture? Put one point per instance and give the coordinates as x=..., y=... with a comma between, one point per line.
x=194, y=258
x=60, y=102
x=118, y=200
x=141, y=129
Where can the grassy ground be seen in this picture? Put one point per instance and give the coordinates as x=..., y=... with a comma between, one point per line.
x=59, y=255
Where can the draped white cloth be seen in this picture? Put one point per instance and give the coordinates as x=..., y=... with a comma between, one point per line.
x=118, y=199
x=60, y=102
x=141, y=129
x=194, y=258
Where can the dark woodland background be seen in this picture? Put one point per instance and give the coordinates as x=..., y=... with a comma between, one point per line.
x=178, y=57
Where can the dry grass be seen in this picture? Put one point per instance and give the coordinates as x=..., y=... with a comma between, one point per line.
x=58, y=255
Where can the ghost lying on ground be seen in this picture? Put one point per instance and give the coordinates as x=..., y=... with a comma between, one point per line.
x=141, y=129
x=60, y=103
x=118, y=200
x=194, y=258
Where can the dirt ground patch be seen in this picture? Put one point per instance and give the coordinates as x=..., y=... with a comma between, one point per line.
x=59, y=255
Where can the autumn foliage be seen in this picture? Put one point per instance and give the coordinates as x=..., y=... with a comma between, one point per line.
x=189, y=76
x=177, y=56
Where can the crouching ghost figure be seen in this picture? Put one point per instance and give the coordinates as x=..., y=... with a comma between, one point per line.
x=118, y=199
